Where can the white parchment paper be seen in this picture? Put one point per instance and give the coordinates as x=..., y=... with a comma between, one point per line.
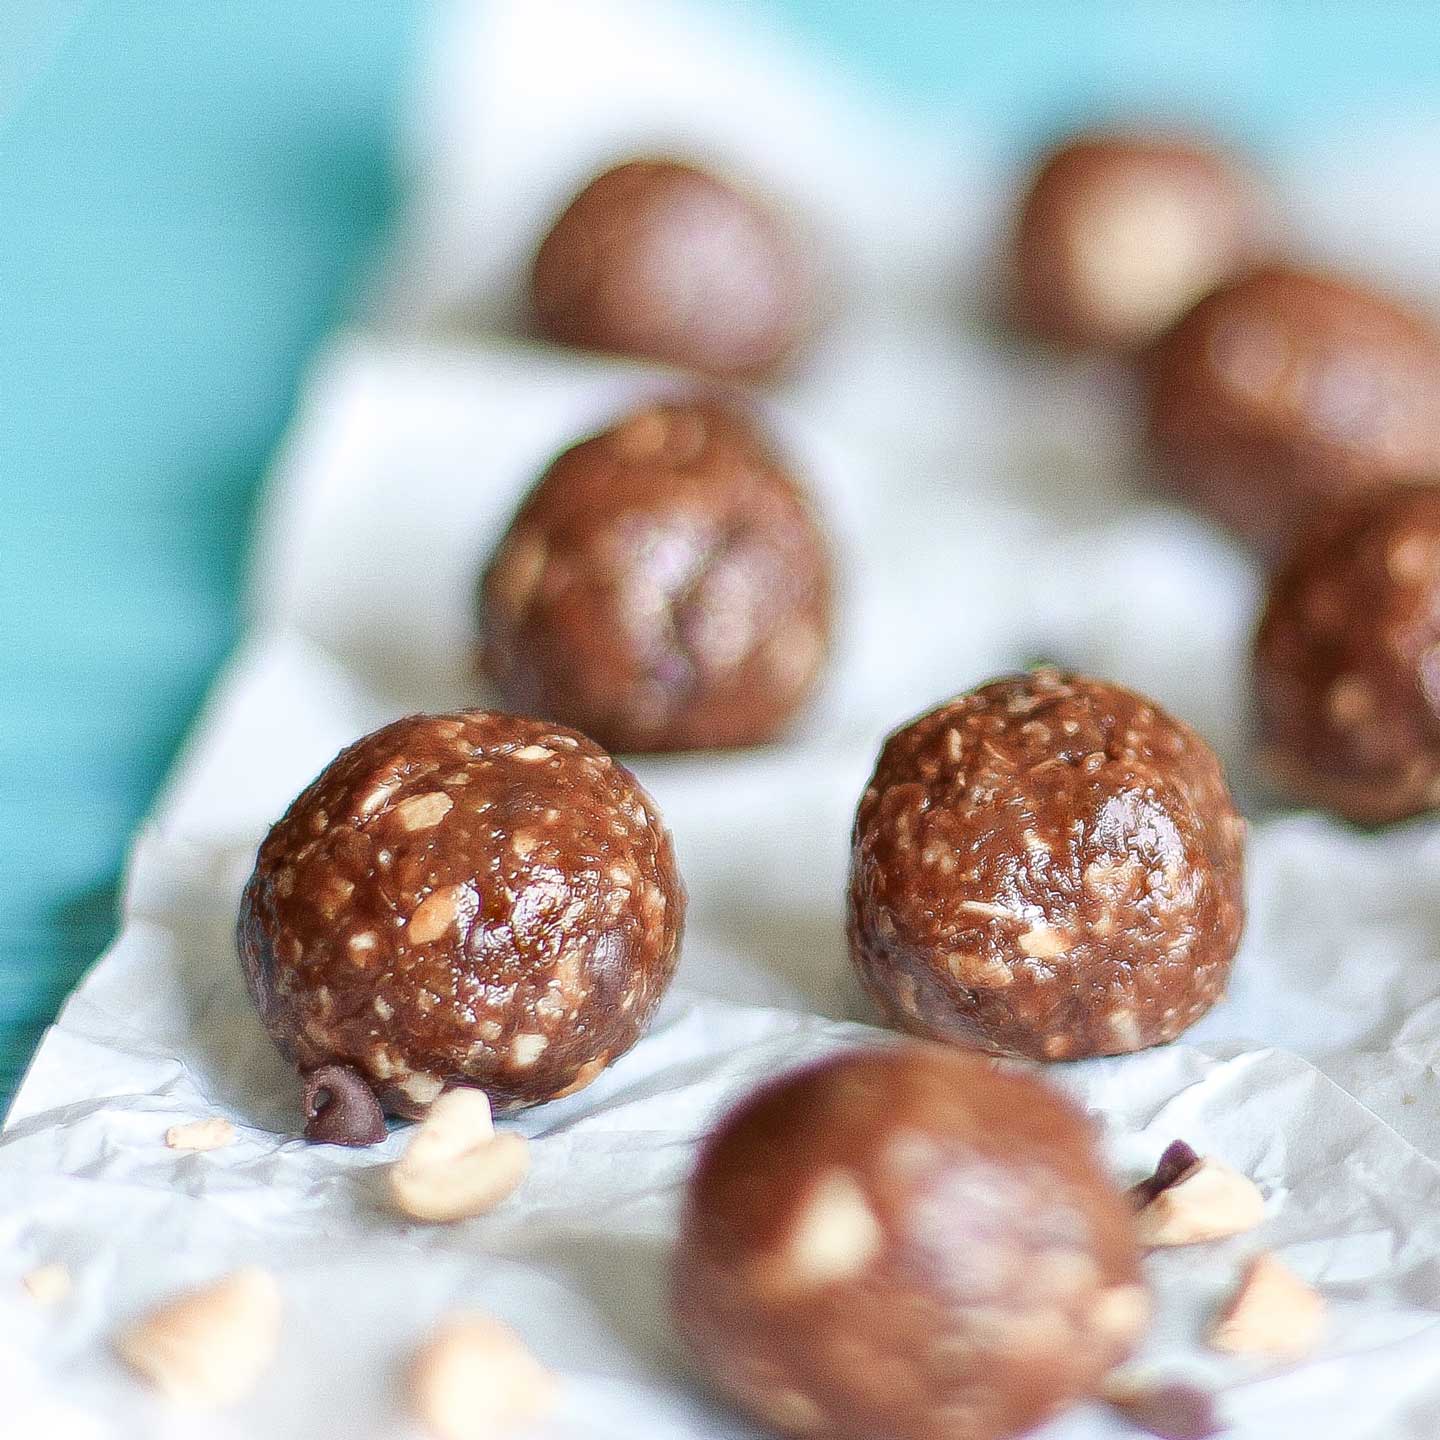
x=986, y=503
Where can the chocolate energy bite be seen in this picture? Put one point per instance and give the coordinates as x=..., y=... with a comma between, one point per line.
x=1287, y=390
x=665, y=586
x=1048, y=866
x=1120, y=234
x=906, y=1242
x=662, y=260
x=1347, y=660
x=467, y=899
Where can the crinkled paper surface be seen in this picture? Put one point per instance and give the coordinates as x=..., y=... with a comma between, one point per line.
x=987, y=504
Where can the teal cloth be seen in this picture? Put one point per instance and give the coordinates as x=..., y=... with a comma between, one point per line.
x=189, y=190
x=188, y=195
x=1268, y=71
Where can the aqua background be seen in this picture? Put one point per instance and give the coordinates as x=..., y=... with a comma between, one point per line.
x=189, y=196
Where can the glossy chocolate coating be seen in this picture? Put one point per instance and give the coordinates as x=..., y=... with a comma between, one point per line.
x=1048, y=866
x=466, y=899
x=1288, y=390
x=658, y=259
x=1347, y=660
x=1120, y=234
x=906, y=1242
x=665, y=586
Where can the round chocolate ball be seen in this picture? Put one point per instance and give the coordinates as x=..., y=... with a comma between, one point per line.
x=1287, y=390
x=467, y=899
x=1048, y=866
x=1347, y=660
x=665, y=586
x=907, y=1242
x=1120, y=234
x=662, y=260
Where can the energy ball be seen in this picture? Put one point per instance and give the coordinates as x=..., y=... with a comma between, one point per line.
x=1120, y=234
x=907, y=1242
x=665, y=586
x=467, y=899
x=1049, y=866
x=661, y=260
x=1347, y=660
x=1287, y=390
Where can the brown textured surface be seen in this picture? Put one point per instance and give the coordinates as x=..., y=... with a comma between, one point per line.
x=665, y=586
x=1288, y=389
x=906, y=1242
x=658, y=259
x=1119, y=235
x=464, y=899
x=1050, y=866
x=1347, y=660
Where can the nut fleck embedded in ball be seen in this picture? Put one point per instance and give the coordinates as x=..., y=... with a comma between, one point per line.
x=1347, y=660
x=665, y=586
x=393, y=926
x=1287, y=390
x=1048, y=866
x=662, y=260
x=1119, y=235
x=907, y=1242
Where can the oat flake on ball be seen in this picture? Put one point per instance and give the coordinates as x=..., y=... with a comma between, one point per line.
x=467, y=899
x=664, y=586
x=906, y=1242
x=1048, y=866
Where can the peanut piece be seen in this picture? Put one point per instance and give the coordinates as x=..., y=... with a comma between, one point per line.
x=474, y=1377
x=1274, y=1314
x=208, y=1347
x=457, y=1167
x=423, y=812
x=47, y=1284
x=212, y=1134
x=1210, y=1202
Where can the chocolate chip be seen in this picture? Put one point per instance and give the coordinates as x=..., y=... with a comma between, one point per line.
x=1172, y=1410
x=341, y=1108
x=1175, y=1164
